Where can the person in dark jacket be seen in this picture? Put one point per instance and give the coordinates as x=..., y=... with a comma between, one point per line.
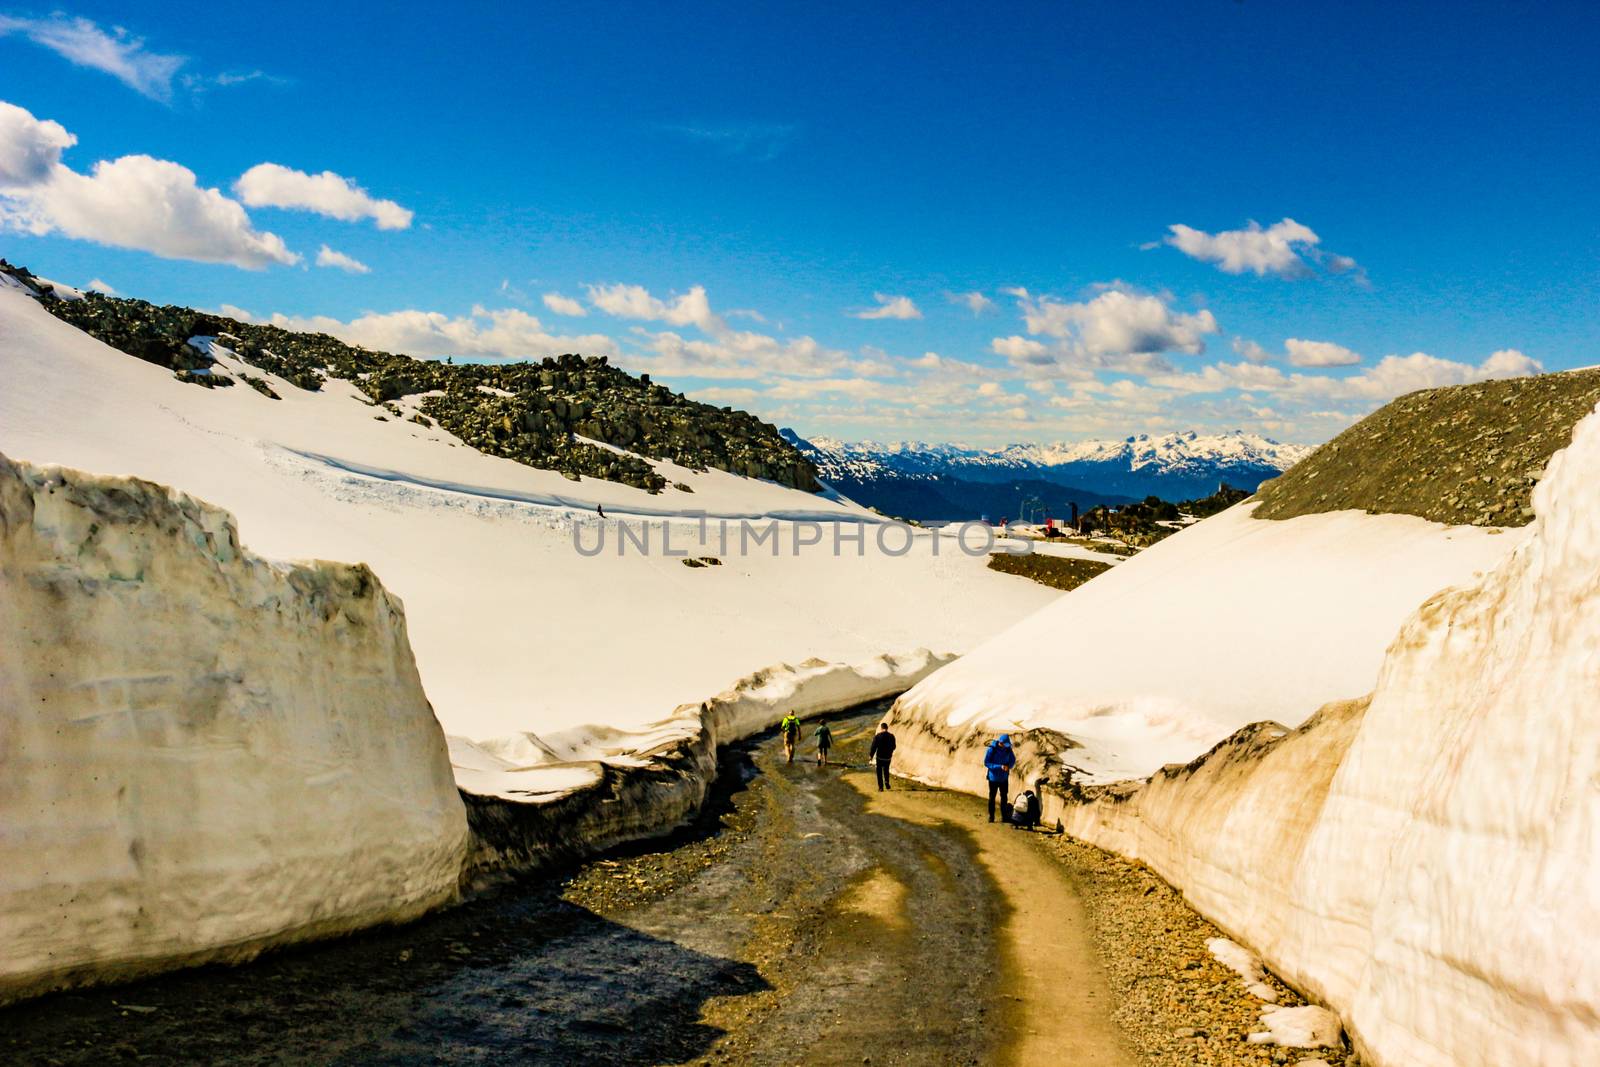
x=824, y=744
x=881, y=752
x=998, y=759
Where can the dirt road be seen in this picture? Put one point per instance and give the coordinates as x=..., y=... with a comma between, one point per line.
x=807, y=918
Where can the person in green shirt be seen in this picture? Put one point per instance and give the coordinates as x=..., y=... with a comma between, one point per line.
x=824, y=743
x=789, y=727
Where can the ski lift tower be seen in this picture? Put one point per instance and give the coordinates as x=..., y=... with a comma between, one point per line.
x=1030, y=508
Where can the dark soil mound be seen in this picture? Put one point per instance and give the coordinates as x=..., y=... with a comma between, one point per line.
x=1054, y=571
x=1459, y=455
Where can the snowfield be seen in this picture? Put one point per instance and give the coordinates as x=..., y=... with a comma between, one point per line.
x=1230, y=621
x=514, y=631
x=1423, y=859
x=204, y=753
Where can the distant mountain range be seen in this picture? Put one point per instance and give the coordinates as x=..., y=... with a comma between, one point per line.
x=951, y=482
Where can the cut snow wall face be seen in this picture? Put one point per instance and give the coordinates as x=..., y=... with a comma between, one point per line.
x=1427, y=859
x=202, y=753
x=534, y=801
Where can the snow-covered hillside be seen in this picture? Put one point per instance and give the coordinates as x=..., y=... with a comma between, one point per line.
x=1230, y=621
x=514, y=630
x=204, y=753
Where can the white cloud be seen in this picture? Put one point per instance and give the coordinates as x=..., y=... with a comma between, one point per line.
x=327, y=257
x=1392, y=376
x=1286, y=249
x=506, y=333
x=1319, y=354
x=1250, y=351
x=97, y=286
x=973, y=301
x=564, y=305
x=1019, y=349
x=138, y=202
x=738, y=354
x=329, y=194
x=30, y=148
x=1395, y=375
x=116, y=53
x=1119, y=323
x=889, y=307
x=635, y=302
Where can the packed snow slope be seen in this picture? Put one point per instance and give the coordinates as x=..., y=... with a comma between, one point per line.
x=514, y=629
x=1229, y=621
x=202, y=753
x=1426, y=859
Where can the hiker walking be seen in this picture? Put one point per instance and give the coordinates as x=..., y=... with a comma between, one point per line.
x=824, y=743
x=790, y=729
x=998, y=758
x=881, y=752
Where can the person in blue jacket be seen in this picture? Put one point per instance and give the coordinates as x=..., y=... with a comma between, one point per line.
x=999, y=759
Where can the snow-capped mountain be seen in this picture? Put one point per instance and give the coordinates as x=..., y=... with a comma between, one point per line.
x=1174, y=466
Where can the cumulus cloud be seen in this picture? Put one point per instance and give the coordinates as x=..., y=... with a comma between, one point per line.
x=973, y=301
x=1319, y=354
x=889, y=307
x=1395, y=375
x=564, y=305
x=328, y=194
x=1118, y=322
x=1286, y=249
x=744, y=354
x=1250, y=351
x=506, y=333
x=30, y=148
x=117, y=53
x=138, y=202
x=635, y=302
x=95, y=285
x=327, y=257
x=1392, y=376
x=1019, y=349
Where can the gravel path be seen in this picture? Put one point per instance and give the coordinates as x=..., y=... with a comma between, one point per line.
x=1174, y=1002
x=804, y=918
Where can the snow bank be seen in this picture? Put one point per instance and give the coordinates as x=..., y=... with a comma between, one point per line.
x=533, y=800
x=202, y=753
x=1426, y=860
x=1230, y=621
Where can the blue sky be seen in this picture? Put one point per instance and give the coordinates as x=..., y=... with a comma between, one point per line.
x=723, y=192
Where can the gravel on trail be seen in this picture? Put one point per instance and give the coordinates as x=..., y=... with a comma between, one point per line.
x=801, y=919
x=1174, y=1003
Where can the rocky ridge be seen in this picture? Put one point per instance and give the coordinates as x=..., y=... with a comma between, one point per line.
x=1463, y=454
x=557, y=414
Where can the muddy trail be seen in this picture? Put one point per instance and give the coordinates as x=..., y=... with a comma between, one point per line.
x=804, y=918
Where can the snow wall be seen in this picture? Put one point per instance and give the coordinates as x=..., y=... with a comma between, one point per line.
x=533, y=801
x=1426, y=860
x=202, y=753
